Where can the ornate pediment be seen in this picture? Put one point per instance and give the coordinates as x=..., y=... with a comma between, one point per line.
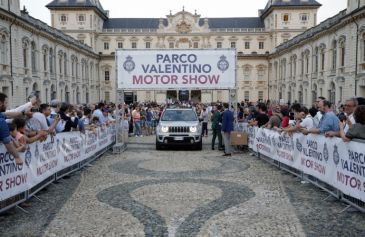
x=183, y=27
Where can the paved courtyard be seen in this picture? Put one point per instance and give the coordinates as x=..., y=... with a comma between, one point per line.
x=144, y=192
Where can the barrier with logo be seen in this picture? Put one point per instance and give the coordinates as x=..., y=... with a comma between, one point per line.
x=45, y=162
x=329, y=163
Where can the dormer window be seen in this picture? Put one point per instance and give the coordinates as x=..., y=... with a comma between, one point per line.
x=286, y=17
x=304, y=17
x=81, y=18
x=63, y=18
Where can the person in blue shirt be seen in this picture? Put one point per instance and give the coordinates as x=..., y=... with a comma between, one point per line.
x=328, y=125
x=227, y=128
x=4, y=130
x=149, y=116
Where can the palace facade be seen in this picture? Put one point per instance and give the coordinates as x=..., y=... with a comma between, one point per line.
x=281, y=54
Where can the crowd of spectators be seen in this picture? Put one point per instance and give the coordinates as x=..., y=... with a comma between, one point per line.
x=35, y=121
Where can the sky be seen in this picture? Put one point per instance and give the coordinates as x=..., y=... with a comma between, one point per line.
x=161, y=8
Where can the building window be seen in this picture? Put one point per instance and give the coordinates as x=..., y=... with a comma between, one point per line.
x=25, y=55
x=343, y=53
x=246, y=74
x=45, y=57
x=106, y=46
x=261, y=45
x=304, y=17
x=148, y=45
x=285, y=17
x=51, y=60
x=81, y=18
x=65, y=64
x=316, y=60
x=247, y=96
x=134, y=45
x=107, y=96
x=106, y=75
x=120, y=45
x=82, y=41
x=33, y=57
x=171, y=45
x=247, y=45
x=219, y=45
x=196, y=45
x=323, y=59
x=63, y=18
x=3, y=50
x=60, y=62
x=261, y=74
x=261, y=95
x=233, y=45
x=334, y=55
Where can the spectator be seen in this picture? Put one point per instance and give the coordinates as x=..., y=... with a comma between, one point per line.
x=261, y=118
x=137, y=122
x=318, y=116
x=55, y=108
x=4, y=131
x=217, y=127
x=13, y=132
x=99, y=113
x=284, y=118
x=329, y=121
x=149, y=118
x=308, y=121
x=350, y=106
x=275, y=119
x=204, y=117
x=356, y=130
x=360, y=101
x=22, y=137
x=227, y=128
x=70, y=121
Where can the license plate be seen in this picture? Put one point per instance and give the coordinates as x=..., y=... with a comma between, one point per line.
x=178, y=138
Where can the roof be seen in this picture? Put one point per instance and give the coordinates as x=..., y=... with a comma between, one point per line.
x=153, y=23
x=77, y=4
x=40, y=25
x=292, y=3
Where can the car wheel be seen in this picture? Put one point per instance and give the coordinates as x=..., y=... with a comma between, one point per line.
x=158, y=146
x=199, y=146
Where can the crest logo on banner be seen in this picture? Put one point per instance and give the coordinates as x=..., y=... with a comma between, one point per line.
x=325, y=152
x=336, y=155
x=223, y=64
x=299, y=145
x=129, y=65
x=36, y=152
x=28, y=157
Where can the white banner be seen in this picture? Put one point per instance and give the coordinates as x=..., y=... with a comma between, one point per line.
x=44, y=159
x=176, y=69
x=339, y=164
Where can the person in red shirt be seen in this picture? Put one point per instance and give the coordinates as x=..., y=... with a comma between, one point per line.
x=285, y=118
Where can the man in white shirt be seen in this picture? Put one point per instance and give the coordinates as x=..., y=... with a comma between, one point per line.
x=319, y=114
x=99, y=113
x=350, y=106
x=307, y=122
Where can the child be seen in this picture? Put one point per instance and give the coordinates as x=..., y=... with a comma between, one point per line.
x=13, y=133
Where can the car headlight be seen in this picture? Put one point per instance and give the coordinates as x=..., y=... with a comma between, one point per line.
x=164, y=129
x=193, y=129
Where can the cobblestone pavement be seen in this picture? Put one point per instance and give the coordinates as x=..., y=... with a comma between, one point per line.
x=144, y=192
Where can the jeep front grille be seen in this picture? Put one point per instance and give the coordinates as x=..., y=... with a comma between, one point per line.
x=178, y=129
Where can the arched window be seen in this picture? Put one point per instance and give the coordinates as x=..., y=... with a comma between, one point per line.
x=3, y=49
x=316, y=56
x=323, y=57
x=45, y=58
x=73, y=66
x=33, y=56
x=65, y=64
x=332, y=93
x=60, y=55
x=25, y=54
x=53, y=92
x=334, y=55
x=246, y=73
x=342, y=53
x=51, y=60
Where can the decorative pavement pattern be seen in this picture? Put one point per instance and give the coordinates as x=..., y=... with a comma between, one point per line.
x=146, y=193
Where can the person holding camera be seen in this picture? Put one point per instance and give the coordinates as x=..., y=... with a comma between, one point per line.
x=357, y=129
x=69, y=117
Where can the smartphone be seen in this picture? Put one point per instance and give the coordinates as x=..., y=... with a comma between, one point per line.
x=33, y=110
x=53, y=116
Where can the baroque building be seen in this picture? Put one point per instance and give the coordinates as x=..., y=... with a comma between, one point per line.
x=281, y=54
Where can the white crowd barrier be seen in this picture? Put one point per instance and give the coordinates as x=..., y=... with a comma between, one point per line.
x=331, y=160
x=44, y=162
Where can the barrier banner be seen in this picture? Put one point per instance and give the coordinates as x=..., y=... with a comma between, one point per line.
x=349, y=162
x=44, y=159
x=339, y=164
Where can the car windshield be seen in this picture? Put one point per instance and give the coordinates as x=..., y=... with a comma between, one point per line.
x=179, y=115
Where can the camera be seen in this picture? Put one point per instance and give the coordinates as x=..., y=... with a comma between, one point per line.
x=342, y=117
x=53, y=116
